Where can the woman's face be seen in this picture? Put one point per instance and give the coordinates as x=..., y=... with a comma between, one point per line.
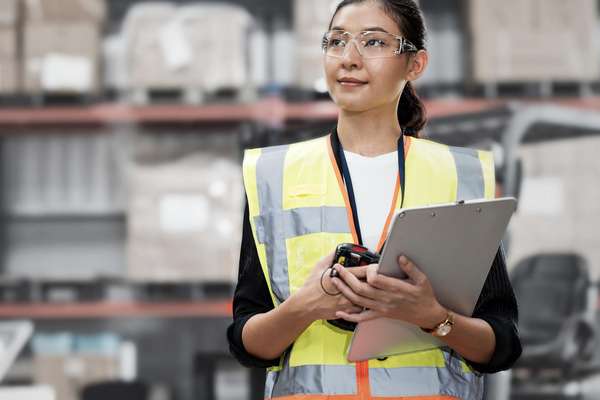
x=381, y=79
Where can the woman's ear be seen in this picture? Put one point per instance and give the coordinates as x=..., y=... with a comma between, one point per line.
x=418, y=63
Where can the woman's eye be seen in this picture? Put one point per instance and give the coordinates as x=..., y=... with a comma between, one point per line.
x=375, y=43
x=336, y=43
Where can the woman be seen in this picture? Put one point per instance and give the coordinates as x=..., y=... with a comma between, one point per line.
x=306, y=198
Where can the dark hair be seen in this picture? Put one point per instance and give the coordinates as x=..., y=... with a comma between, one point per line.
x=408, y=17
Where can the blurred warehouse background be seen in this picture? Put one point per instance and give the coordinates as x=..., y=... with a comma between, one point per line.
x=122, y=125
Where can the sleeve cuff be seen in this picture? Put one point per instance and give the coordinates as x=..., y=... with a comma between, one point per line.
x=508, y=347
x=236, y=346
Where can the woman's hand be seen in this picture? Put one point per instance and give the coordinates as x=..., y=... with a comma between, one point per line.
x=312, y=297
x=411, y=300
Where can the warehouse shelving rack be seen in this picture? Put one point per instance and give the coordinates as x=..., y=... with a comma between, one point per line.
x=197, y=325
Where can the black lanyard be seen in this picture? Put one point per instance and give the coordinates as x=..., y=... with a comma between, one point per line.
x=348, y=179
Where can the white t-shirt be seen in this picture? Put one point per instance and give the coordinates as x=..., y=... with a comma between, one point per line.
x=374, y=182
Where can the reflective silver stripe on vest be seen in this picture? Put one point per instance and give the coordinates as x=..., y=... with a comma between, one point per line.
x=427, y=381
x=302, y=221
x=384, y=382
x=269, y=182
x=274, y=225
x=311, y=379
x=469, y=173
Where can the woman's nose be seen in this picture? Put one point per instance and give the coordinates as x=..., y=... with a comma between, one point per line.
x=352, y=57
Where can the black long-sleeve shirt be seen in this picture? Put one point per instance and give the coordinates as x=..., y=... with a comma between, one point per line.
x=496, y=304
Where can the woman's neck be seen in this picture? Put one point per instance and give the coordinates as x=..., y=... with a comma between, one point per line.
x=369, y=133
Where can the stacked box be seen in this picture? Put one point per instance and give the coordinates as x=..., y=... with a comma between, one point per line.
x=68, y=374
x=311, y=20
x=65, y=10
x=184, y=220
x=550, y=218
x=145, y=62
x=529, y=40
x=62, y=45
x=220, y=55
x=199, y=46
x=68, y=362
x=9, y=66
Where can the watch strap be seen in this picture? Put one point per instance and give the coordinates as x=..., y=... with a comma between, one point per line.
x=448, y=321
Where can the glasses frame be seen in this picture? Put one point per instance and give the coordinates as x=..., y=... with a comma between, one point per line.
x=405, y=45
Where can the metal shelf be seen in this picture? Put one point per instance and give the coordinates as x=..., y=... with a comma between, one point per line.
x=273, y=111
x=118, y=310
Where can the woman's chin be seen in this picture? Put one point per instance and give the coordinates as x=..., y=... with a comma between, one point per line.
x=351, y=105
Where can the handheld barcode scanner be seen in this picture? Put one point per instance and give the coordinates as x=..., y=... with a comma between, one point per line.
x=351, y=255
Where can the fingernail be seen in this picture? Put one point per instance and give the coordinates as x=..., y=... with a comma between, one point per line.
x=403, y=259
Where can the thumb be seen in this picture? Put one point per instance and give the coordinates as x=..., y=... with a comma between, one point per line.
x=326, y=261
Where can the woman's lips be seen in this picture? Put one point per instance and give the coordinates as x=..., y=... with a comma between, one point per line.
x=351, y=82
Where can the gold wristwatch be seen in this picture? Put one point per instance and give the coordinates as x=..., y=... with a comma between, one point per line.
x=443, y=328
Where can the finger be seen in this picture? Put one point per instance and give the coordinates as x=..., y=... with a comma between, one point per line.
x=413, y=272
x=333, y=271
x=345, y=303
x=366, y=315
x=326, y=261
x=388, y=283
x=327, y=285
x=358, y=286
x=353, y=310
x=359, y=272
x=353, y=297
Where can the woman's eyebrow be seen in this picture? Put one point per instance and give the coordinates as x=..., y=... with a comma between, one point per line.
x=375, y=28
x=372, y=28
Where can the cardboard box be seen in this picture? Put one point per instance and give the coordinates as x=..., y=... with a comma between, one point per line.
x=184, y=220
x=9, y=12
x=67, y=375
x=9, y=76
x=9, y=20
x=145, y=62
x=311, y=21
x=526, y=40
x=310, y=70
x=550, y=219
x=187, y=47
x=52, y=48
x=8, y=42
x=217, y=60
x=65, y=10
x=309, y=14
x=79, y=38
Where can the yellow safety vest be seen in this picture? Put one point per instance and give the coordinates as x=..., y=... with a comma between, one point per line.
x=299, y=212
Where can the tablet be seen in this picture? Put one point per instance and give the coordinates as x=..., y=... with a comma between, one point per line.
x=454, y=245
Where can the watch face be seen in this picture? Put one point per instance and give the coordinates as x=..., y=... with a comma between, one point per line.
x=444, y=330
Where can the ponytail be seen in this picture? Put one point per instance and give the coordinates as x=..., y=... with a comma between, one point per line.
x=411, y=112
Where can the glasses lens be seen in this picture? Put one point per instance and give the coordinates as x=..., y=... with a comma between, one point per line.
x=378, y=44
x=334, y=43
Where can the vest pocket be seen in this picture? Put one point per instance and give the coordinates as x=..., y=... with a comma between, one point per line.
x=307, y=190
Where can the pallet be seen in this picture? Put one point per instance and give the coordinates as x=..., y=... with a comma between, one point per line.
x=187, y=96
x=40, y=99
x=541, y=89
